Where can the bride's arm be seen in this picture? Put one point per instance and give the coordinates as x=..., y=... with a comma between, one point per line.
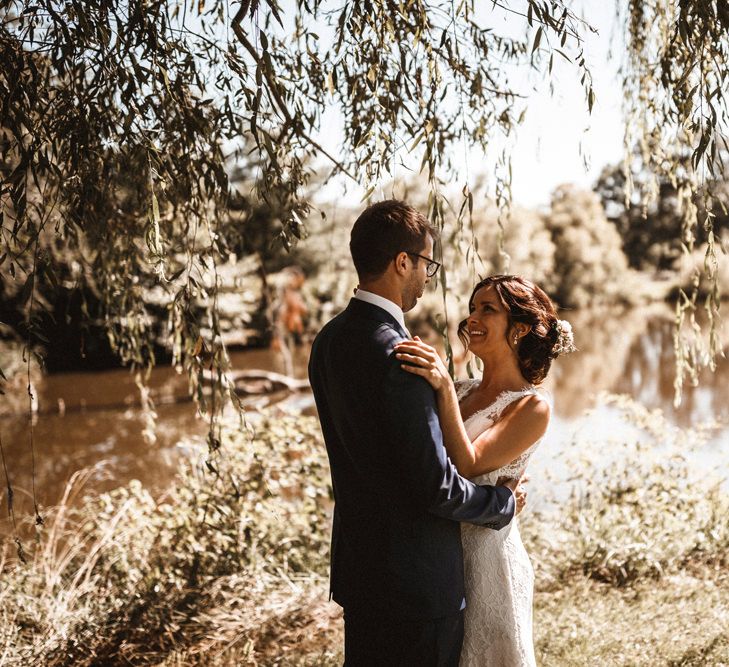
x=430, y=366
x=456, y=440
x=520, y=427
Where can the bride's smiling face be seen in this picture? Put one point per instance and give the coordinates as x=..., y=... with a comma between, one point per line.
x=487, y=324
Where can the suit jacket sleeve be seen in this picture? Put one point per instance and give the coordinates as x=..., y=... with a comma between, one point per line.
x=432, y=480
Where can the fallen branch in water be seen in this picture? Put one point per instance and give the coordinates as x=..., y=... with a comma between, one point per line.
x=257, y=381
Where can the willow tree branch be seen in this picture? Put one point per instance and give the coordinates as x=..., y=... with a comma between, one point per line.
x=273, y=89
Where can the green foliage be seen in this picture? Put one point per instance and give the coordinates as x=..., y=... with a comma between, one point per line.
x=121, y=125
x=592, y=266
x=637, y=523
x=691, y=265
x=650, y=231
x=240, y=559
x=131, y=576
x=572, y=251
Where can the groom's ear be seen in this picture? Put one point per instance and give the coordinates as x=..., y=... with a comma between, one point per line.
x=401, y=263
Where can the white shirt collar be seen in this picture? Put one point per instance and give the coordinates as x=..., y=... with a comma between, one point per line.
x=380, y=301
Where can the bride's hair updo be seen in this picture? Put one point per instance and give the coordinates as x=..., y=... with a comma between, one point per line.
x=527, y=303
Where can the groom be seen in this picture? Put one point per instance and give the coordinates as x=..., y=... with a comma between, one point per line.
x=396, y=561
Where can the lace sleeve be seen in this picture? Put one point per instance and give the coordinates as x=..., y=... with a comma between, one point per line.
x=506, y=398
x=464, y=386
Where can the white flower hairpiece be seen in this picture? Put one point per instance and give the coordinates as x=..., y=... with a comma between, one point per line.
x=566, y=340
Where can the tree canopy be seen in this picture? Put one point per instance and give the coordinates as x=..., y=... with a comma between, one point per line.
x=122, y=123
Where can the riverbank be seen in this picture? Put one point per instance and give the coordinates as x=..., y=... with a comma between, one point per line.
x=85, y=418
x=230, y=567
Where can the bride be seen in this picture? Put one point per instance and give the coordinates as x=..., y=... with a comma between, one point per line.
x=490, y=428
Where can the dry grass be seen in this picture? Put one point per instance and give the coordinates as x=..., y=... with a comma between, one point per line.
x=299, y=628
x=682, y=619
x=219, y=564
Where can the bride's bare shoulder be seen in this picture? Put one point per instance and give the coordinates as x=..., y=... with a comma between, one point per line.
x=532, y=407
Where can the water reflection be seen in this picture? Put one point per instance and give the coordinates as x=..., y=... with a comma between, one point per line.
x=66, y=443
x=652, y=361
x=619, y=351
x=83, y=419
x=631, y=352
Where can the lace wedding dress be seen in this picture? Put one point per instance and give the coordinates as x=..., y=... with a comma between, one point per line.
x=499, y=578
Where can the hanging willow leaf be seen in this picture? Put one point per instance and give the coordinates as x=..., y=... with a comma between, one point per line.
x=678, y=55
x=537, y=39
x=27, y=290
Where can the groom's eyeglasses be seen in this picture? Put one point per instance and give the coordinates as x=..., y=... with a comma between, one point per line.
x=432, y=267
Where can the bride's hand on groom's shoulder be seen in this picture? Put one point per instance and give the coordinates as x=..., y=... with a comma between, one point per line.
x=421, y=359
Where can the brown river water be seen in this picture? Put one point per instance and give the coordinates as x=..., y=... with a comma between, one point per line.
x=94, y=419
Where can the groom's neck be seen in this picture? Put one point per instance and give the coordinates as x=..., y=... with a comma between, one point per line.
x=385, y=288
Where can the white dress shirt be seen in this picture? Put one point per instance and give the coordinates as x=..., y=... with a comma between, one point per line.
x=380, y=301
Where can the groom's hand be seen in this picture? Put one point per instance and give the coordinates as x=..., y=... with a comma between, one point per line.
x=517, y=489
x=521, y=494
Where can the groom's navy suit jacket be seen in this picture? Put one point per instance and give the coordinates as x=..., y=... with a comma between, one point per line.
x=396, y=546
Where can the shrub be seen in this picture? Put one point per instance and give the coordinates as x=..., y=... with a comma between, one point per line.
x=590, y=265
x=126, y=577
x=230, y=569
x=530, y=250
x=572, y=251
x=645, y=513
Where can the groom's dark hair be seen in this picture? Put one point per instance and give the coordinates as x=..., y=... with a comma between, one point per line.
x=382, y=231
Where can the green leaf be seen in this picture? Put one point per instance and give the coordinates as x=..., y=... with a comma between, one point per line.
x=52, y=277
x=155, y=209
x=27, y=288
x=368, y=194
x=537, y=39
x=418, y=139
x=166, y=79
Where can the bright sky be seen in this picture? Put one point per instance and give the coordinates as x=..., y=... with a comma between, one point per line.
x=559, y=141
x=558, y=130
